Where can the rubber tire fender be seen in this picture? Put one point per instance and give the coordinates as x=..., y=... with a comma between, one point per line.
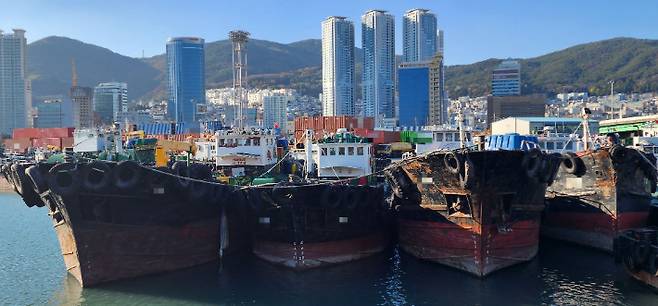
x=571, y=163
x=65, y=171
x=94, y=168
x=181, y=170
x=127, y=175
x=332, y=196
x=617, y=152
x=39, y=182
x=452, y=162
x=19, y=179
x=531, y=162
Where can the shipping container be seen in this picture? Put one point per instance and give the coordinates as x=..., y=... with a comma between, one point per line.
x=17, y=145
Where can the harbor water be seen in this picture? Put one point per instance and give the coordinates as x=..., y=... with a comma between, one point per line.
x=32, y=272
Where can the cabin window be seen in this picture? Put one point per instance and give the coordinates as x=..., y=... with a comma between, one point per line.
x=359, y=151
x=550, y=145
x=350, y=150
x=456, y=137
x=468, y=136
x=332, y=151
x=256, y=141
x=559, y=145
x=213, y=147
x=221, y=141
x=247, y=142
x=569, y=146
x=448, y=136
x=438, y=136
x=341, y=151
x=323, y=152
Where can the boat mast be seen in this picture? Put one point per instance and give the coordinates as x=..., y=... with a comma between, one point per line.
x=460, y=122
x=308, y=149
x=585, y=114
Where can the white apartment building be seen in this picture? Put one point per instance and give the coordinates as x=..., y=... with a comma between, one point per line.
x=338, y=81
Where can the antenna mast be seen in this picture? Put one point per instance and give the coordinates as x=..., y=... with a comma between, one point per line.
x=239, y=40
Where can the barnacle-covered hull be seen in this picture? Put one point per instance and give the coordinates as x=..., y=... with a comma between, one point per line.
x=110, y=233
x=315, y=225
x=475, y=211
x=597, y=194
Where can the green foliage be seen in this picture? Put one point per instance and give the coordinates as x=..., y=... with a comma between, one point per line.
x=632, y=63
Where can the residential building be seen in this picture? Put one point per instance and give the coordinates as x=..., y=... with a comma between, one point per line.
x=439, y=43
x=378, y=85
x=540, y=125
x=414, y=93
x=275, y=111
x=419, y=35
x=506, y=79
x=83, y=110
x=338, y=81
x=110, y=99
x=439, y=102
x=186, y=78
x=515, y=106
x=13, y=82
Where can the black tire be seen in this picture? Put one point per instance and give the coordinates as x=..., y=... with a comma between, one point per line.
x=18, y=177
x=181, y=171
x=332, y=196
x=38, y=181
x=573, y=164
x=531, y=162
x=96, y=176
x=617, y=152
x=63, y=179
x=127, y=175
x=452, y=162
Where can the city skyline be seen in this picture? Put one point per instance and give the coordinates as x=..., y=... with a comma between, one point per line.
x=547, y=26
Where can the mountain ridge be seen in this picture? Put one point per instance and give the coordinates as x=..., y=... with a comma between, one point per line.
x=632, y=62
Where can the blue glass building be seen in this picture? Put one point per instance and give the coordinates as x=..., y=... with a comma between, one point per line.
x=186, y=78
x=414, y=94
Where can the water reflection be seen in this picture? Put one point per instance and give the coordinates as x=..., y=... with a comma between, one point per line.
x=32, y=272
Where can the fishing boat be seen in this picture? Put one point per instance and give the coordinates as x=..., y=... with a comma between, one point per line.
x=324, y=218
x=599, y=192
x=475, y=210
x=637, y=250
x=122, y=219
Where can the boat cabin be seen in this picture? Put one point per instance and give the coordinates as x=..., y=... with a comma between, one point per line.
x=443, y=139
x=245, y=148
x=342, y=155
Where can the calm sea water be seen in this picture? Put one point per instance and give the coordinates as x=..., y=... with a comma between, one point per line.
x=32, y=273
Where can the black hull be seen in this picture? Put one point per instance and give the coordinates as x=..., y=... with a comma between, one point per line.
x=310, y=226
x=155, y=226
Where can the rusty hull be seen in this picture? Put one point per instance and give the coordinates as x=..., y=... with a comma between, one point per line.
x=479, y=220
x=591, y=209
x=119, y=234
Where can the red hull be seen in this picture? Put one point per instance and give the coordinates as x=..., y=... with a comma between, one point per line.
x=596, y=230
x=313, y=255
x=479, y=250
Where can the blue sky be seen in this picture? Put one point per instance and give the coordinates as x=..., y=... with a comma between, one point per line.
x=474, y=30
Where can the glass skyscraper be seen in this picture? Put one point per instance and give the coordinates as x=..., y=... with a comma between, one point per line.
x=378, y=86
x=110, y=99
x=13, y=83
x=338, y=81
x=419, y=36
x=506, y=79
x=186, y=78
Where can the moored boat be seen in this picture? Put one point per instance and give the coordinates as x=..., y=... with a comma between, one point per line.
x=123, y=220
x=477, y=211
x=637, y=249
x=317, y=221
x=598, y=193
